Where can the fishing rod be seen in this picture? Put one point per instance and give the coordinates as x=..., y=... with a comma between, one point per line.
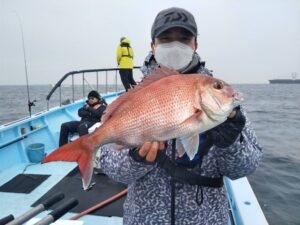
x=100, y=204
x=30, y=103
x=58, y=212
x=37, y=209
x=91, y=86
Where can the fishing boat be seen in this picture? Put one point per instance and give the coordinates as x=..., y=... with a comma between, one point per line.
x=27, y=187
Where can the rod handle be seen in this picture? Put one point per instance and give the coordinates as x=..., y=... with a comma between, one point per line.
x=64, y=208
x=52, y=200
x=6, y=219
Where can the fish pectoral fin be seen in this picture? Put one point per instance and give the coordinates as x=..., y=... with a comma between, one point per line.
x=86, y=167
x=195, y=118
x=189, y=145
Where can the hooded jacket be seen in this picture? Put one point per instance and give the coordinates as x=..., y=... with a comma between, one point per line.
x=149, y=191
x=92, y=113
x=125, y=55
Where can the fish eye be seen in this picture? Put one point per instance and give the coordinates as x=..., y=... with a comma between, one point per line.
x=218, y=85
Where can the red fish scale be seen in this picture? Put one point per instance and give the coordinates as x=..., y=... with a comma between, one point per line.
x=155, y=111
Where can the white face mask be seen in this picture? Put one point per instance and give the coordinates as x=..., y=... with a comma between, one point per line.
x=174, y=55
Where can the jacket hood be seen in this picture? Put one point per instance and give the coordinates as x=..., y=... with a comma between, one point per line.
x=126, y=40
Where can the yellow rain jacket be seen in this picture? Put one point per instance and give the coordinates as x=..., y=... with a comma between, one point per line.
x=125, y=55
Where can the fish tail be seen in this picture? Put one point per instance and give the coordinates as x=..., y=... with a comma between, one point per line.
x=83, y=151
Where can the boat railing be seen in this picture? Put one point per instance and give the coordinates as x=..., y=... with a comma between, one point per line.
x=96, y=72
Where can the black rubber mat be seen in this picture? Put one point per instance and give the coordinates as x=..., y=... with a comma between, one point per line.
x=71, y=186
x=23, y=183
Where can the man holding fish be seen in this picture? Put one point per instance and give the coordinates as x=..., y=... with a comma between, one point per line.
x=234, y=151
x=182, y=131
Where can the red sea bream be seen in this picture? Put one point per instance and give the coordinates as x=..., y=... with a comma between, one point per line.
x=165, y=105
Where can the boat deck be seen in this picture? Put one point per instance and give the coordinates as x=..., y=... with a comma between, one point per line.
x=18, y=203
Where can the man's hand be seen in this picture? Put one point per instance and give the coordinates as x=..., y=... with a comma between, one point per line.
x=149, y=150
x=227, y=133
x=232, y=114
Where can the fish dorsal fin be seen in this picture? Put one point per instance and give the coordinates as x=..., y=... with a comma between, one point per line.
x=155, y=75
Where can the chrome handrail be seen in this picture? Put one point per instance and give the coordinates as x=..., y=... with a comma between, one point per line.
x=83, y=72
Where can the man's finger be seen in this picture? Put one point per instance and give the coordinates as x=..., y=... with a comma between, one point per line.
x=145, y=149
x=232, y=114
x=161, y=145
x=152, y=152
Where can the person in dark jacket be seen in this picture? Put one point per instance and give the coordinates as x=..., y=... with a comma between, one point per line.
x=168, y=188
x=90, y=114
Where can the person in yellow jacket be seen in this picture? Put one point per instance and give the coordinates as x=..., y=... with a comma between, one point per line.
x=125, y=63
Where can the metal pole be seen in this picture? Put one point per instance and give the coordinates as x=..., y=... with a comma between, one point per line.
x=97, y=82
x=59, y=95
x=25, y=62
x=116, y=80
x=83, y=91
x=73, y=88
x=106, y=82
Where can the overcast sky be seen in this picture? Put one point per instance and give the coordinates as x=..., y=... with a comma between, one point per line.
x=247, y=41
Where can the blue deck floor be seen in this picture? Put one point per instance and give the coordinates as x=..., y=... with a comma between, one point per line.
x=17, y=204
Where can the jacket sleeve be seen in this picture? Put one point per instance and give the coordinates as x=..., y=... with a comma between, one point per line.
x=96, y=113
x=119, y=54
x=241, y=158
x=132, y=54
x=83, y=112
x=120, y=166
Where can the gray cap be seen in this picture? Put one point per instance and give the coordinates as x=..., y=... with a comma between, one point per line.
x=173, y=17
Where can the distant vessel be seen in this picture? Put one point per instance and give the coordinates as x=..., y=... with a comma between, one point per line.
x=285, y=81
x=293, y=80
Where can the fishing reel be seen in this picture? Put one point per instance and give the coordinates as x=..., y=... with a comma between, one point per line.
x=30, y=104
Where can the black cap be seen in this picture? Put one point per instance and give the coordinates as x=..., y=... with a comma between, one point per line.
x=173, y=17
x=94, y=94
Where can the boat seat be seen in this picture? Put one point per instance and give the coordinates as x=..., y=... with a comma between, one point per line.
x=91, y=129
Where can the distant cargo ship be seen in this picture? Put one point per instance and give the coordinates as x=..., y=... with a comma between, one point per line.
x=285, y=81
x=293, y=80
